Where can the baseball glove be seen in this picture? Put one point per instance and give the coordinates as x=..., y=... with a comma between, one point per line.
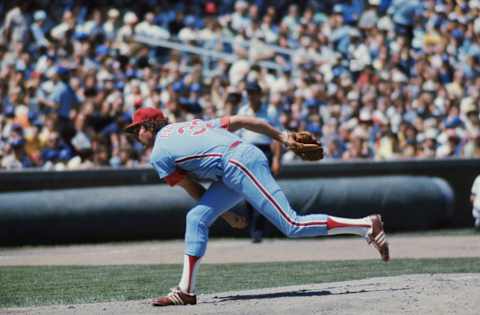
x=305, y=145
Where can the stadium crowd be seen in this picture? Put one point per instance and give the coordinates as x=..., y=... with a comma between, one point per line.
x=373, y=79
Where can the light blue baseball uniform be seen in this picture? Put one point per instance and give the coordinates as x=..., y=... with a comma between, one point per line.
x=207, y=150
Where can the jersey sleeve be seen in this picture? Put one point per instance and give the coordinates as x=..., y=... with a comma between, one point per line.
x=223, y=122
x=166, y=169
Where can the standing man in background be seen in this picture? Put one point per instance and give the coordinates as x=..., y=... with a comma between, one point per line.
x=272, y=149
x=475, y=199
x=64, y=102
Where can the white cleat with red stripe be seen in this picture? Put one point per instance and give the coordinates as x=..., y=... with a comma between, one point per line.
x=377, y=237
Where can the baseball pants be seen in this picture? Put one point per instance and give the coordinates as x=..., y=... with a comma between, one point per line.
x=247, y=176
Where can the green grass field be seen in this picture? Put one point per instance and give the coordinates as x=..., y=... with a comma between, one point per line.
x=27, y=286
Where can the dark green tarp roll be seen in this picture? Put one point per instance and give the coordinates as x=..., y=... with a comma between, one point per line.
x=405, y=202
x=158, y=211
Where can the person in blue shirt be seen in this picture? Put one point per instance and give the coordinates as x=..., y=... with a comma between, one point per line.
x=38, y=29
x=64, y=101
x=16, y=145
x=183, y=153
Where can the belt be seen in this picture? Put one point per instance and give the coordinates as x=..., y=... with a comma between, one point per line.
x=262, y=145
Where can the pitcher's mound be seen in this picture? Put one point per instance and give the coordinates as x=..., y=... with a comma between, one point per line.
x=410, y=294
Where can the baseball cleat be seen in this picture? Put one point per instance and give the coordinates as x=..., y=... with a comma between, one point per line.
x=176, y=297
x=377, y=237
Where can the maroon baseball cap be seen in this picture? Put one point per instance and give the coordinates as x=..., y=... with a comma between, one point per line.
x=142, y=115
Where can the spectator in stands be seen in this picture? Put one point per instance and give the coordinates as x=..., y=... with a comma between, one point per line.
x=15, y=26
x=240, y=21
x=148, y=28
x=125, y=35
x=38, y=29
x=110, y=25
x=55, y=152
x=358, y=146
x=64, y=30
x=16, y=157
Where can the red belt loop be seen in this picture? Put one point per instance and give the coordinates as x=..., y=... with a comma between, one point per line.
x=234, y=144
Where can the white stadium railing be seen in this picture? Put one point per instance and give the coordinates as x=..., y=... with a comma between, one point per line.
x=209, y=54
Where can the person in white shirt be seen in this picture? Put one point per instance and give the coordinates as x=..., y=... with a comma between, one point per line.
x=475, y=199
x=148, y=28
x=68, y=23
x=240, y=20
x=15, y=27
x=125, y=35
x=110, y=26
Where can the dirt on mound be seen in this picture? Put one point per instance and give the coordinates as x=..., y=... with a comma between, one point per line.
x=410, y=294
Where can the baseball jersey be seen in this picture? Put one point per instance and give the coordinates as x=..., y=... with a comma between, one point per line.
x=266, y=113
x=196, y=147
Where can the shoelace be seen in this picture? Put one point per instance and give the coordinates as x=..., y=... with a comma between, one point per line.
x=174, y=296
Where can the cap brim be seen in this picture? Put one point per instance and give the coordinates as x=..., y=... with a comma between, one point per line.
x=132, y=128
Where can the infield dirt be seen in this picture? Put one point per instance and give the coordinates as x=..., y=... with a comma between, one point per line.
x=242, y=251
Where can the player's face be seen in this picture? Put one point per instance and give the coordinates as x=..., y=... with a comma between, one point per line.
x=255, y=98
x=145, y=136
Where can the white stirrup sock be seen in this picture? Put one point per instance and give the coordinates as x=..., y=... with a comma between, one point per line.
x=189, y=274
x=336, y=225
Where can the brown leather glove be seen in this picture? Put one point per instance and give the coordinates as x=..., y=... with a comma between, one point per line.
x=305, y=145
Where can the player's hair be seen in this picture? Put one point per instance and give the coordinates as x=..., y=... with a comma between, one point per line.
x=155, y=125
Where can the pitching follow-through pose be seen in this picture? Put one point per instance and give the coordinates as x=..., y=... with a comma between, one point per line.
x=208, y=150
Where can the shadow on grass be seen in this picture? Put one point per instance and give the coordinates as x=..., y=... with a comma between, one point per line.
x=298, y=293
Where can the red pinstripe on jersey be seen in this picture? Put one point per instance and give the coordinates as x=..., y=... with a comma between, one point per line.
x=199, y=156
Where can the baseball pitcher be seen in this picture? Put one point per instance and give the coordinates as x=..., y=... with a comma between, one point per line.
x=184, y=152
